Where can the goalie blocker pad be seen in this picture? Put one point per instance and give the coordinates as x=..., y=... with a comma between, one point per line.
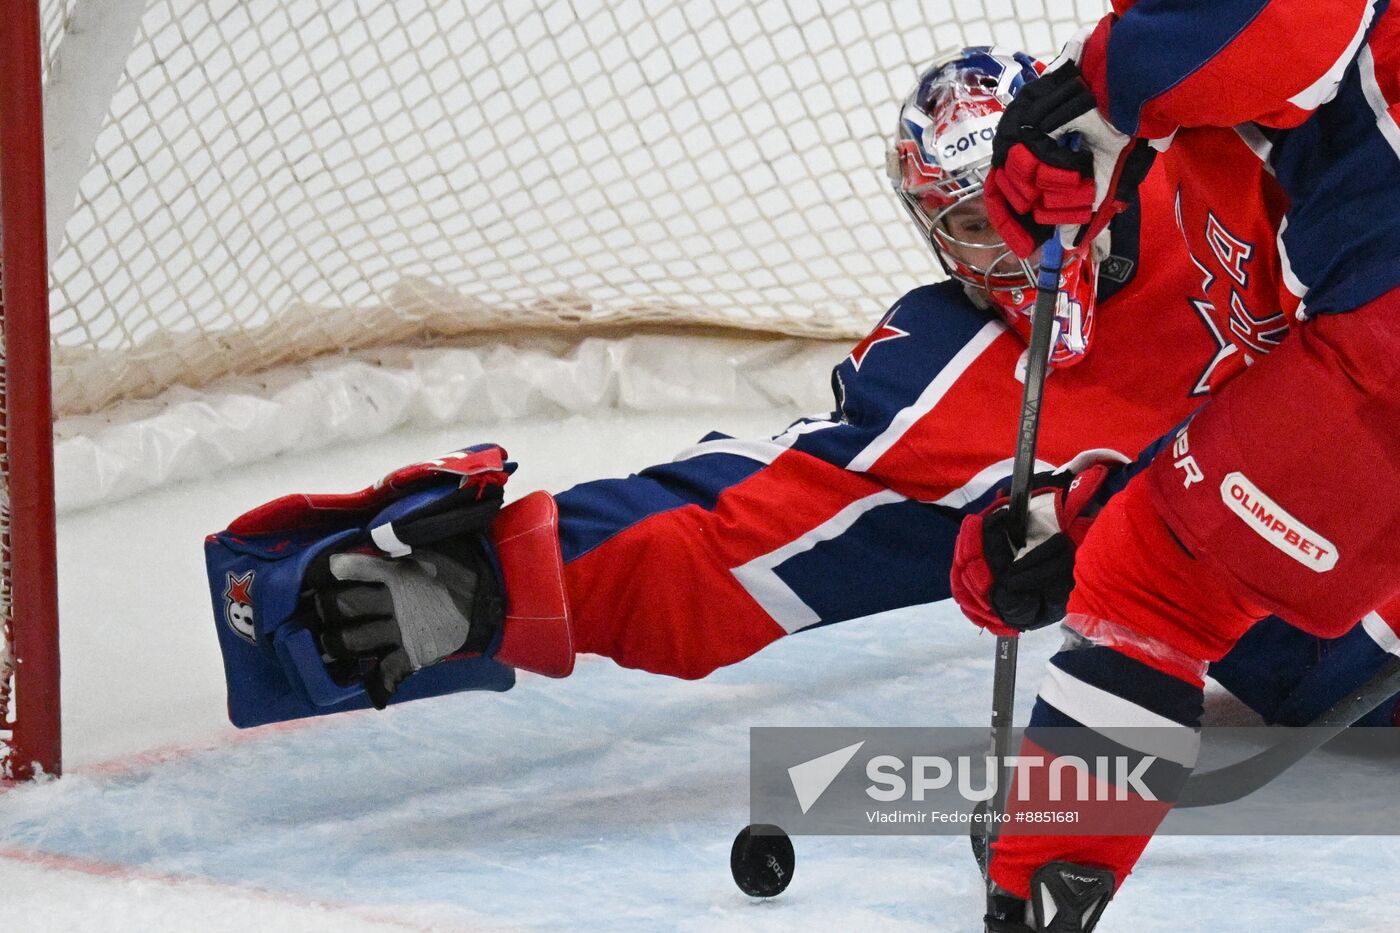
x=257, y=569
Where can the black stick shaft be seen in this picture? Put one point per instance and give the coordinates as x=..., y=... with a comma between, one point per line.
x=1023, y=466
x=1047, y=293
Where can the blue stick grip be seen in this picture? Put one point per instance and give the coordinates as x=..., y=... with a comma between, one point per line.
x=1052, y=257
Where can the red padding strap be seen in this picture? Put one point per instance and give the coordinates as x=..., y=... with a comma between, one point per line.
x=538, y=633
x=481, y=467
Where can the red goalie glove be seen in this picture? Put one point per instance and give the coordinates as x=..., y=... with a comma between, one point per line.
x=1008, y=591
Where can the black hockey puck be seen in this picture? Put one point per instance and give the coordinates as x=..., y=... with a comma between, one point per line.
x=762, y=860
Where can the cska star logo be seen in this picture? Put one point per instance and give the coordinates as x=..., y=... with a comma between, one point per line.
x=238, y=605
x=884, y=331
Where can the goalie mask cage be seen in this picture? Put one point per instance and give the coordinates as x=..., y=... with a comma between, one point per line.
x=233, y=185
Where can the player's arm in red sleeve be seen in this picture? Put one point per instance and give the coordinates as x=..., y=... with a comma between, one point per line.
x=1073, y=145
x=1165, y=64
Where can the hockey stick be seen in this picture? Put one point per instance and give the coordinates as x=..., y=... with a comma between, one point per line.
x=1231, y=782
x=1047, y=293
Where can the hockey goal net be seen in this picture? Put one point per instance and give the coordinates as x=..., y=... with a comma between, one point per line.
x=233, y=185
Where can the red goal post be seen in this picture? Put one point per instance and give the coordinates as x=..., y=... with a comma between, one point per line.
x=29, y=695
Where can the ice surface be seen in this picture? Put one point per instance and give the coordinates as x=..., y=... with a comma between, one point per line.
x=605, y=801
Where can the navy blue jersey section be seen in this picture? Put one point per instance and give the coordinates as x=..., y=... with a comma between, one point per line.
x=1342, y=175
x=875, y=383
x=1136, y=78
x=893, y=556
x=591, y=513
x=1263, y=668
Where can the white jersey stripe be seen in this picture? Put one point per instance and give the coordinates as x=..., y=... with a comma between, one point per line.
x=759, y=451
x=1366, y=64
x=1122, y=721
x=799, y=428
x=1325, y=87
x=983, y=480
x=759, y=579
x=1290, y=278
x=1257, y=142
x=989, y=476
x=1381, y=633
x=933, y=393
x=387, y=540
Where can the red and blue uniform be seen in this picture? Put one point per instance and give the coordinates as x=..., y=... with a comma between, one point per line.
x=1309, y=88
x=688, y=566
x=1285, y=166
x=691, y=565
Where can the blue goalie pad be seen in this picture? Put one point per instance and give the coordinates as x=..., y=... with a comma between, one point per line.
x=272, y=664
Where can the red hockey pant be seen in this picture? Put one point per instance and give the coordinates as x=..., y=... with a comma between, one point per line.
x=1282, y=496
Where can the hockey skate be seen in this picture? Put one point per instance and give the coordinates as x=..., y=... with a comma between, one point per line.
x=1065, y=898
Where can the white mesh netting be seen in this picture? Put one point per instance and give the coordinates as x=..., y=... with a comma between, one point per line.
x=276, y=179
x=237, y=184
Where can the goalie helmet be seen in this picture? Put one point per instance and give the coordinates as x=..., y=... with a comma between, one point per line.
x=937, y=165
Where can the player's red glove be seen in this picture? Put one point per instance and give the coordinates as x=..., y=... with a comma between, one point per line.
x=1037, y=182
x=1008, y=591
